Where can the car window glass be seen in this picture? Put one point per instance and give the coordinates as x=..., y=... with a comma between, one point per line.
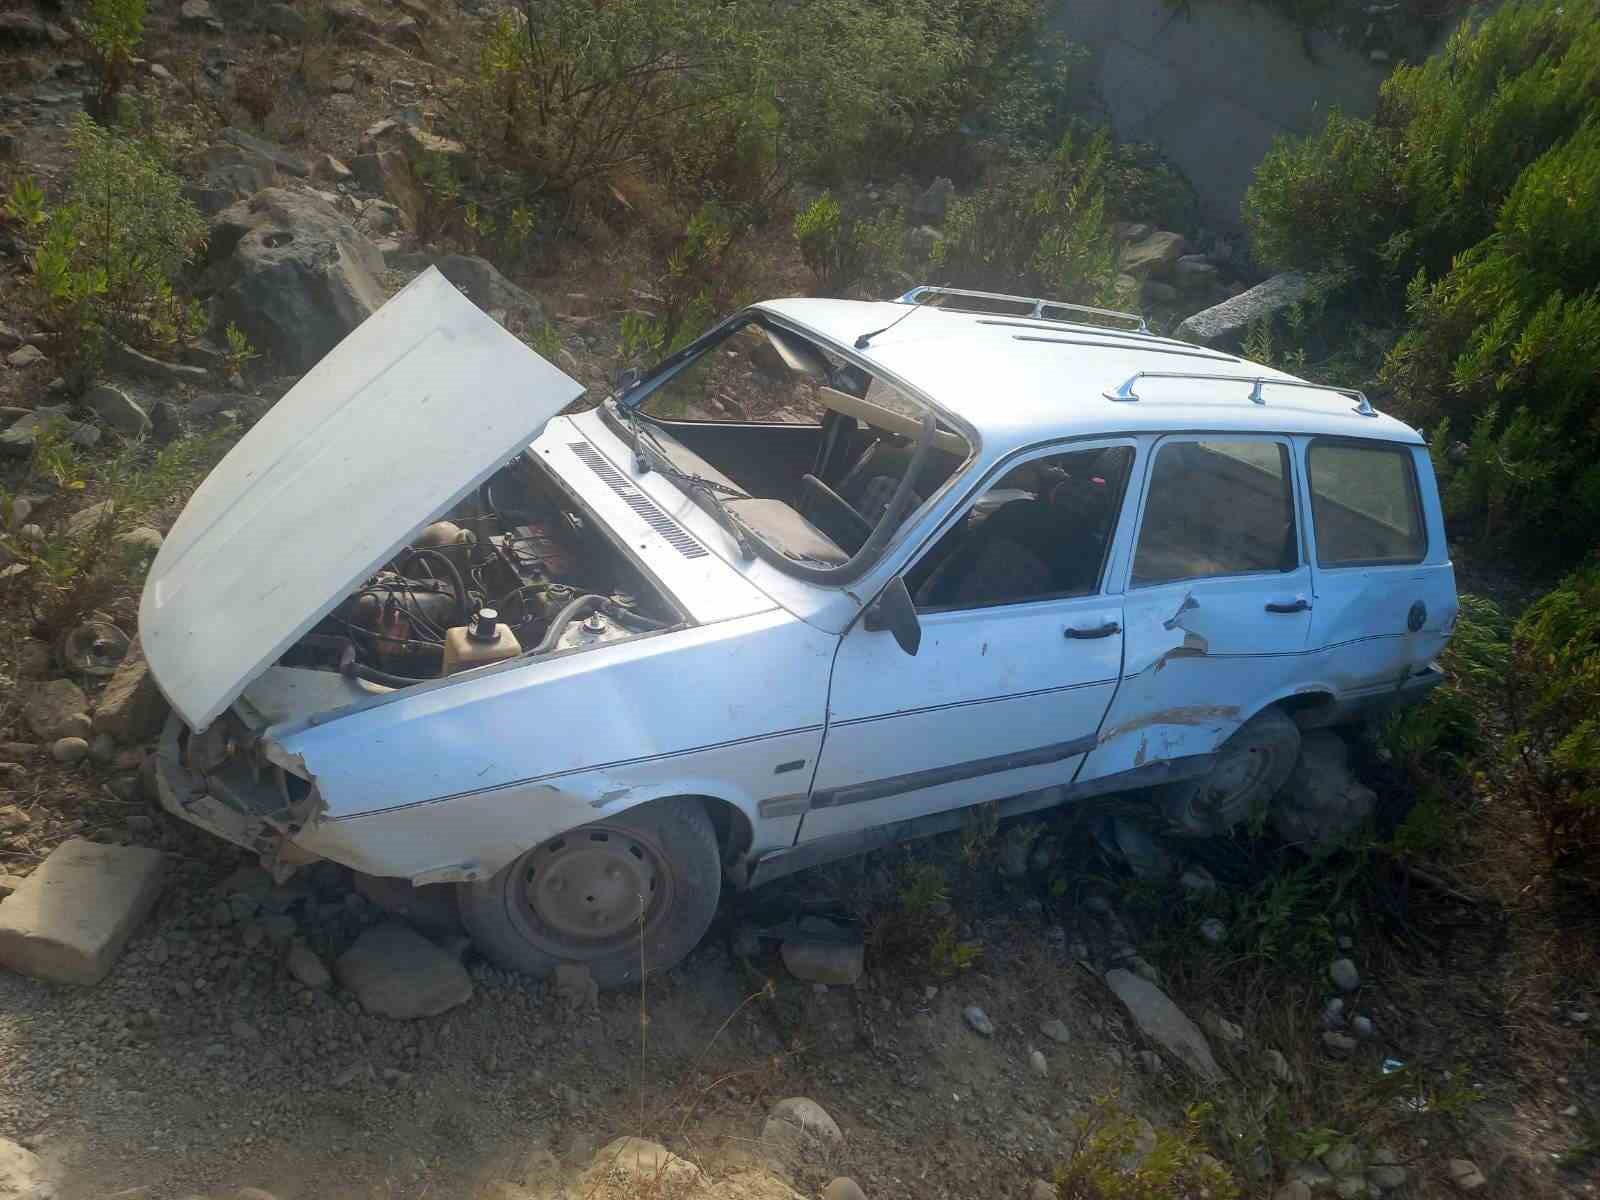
x=1217, y=508
x=1364, y=504
x=745, y=379
x=1042, y=531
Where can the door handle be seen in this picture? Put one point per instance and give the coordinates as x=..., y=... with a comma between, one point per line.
x=1099, y=631
x=1289, y=606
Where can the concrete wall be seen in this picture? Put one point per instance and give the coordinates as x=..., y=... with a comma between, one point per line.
x=1213, y=86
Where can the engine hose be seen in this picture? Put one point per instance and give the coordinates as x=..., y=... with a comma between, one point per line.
x=351, y=669
x=463, y=599
x=634, y=620
x=581, y=607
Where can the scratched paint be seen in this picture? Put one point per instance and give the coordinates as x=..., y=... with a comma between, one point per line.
x=1193, y=714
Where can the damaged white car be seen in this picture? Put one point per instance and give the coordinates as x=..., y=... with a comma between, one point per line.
x=812, y=585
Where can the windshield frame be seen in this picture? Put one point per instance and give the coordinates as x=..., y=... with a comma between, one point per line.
x=623, y=410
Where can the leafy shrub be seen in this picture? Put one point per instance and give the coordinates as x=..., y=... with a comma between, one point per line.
x=730, y=100
x=114, y=29
x=915, y=929
x=1472, y=198
x=106, y=260
x=1556, y=751
x=1326, y=200
x=841, y=252
x=1113, y=1157
x=1039, y=228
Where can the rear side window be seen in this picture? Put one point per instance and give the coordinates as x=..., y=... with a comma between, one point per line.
x=1364, y=504
x=1217, y=508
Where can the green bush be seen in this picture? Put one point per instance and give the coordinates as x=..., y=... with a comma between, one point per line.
x=105, y=261
x=1555, y=753
x=1466, y=212
x=730, y=100
x=114, y=29
x=1036, y=228
x=841, y=252
x=1328, y=200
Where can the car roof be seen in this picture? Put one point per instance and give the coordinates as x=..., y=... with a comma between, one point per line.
x=1019, y=380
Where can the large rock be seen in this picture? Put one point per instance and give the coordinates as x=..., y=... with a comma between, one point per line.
x=1163, y=1022
x=295, y=276
x=131, y=708
x=116, y=409
x=198, y=14
x=1154, y=255
x=261, y=150
x=72, y=916
x=283, y=20
x=22, y=1175
x=20, y=438
x=389, y=174
x=22, y=28
x=1224, y=325
x=415, y=142
x=486, y=287
x=56, y=708
x=396, y=972
x=1323, y=803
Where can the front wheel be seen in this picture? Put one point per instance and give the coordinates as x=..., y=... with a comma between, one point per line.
x=635, y=891
x=1251, y=767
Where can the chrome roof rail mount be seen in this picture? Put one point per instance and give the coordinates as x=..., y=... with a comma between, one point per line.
x=1125, y=392
x=1036, y=306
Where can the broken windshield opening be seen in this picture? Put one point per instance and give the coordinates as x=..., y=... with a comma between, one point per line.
x=807, y=459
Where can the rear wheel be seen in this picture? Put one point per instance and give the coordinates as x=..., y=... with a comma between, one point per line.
x=635, y=890
x=1251, y=767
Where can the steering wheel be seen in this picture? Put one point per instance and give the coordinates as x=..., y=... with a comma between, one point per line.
x=813, y=489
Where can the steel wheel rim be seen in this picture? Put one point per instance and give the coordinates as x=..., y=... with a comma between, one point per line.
x=592, y=889
x=1235, y=776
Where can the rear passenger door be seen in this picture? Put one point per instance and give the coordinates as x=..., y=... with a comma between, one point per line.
x=1385, y=589
x=1218, y=604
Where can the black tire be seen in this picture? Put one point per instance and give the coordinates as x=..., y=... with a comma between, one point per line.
x=533, y=915
x=1251, y=767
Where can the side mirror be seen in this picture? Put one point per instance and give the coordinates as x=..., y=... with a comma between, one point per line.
x=893, y=610
x=625, y=379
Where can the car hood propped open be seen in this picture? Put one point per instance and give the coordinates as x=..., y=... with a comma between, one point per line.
x=411, y=412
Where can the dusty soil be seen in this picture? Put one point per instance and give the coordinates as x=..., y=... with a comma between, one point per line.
x=200, y=1063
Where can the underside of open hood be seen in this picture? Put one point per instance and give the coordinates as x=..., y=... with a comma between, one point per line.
x=407, y=415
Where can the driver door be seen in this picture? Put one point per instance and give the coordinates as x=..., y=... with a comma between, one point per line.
x=1018, y=663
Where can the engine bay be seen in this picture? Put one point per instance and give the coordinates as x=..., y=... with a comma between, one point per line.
x=514, y=571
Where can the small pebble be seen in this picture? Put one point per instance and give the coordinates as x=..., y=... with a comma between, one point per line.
x=1344, y=974
x=978, y=1020
x=1056, y=1030
x=1036, y=1060
x=1333, y=1013
x=1340, y=1045
x=1362, y=1026
x=1214, y=931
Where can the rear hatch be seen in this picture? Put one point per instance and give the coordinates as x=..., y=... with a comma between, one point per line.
x=400, y=421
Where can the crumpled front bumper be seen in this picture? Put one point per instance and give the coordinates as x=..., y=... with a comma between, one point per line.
x=236, y=805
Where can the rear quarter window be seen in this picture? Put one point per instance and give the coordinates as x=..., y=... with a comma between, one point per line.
x=1364, y=504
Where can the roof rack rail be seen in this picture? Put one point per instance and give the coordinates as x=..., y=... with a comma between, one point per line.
x=1036, y=305
x=1125, y=392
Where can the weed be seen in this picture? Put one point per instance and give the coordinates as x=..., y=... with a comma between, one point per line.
x=239, y=352
x=1114, y=1157
x=114, y=29
x=841, y=252
x=106, y=259
x=546, y=341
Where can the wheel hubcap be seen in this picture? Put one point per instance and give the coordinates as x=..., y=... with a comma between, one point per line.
x=592, y=885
